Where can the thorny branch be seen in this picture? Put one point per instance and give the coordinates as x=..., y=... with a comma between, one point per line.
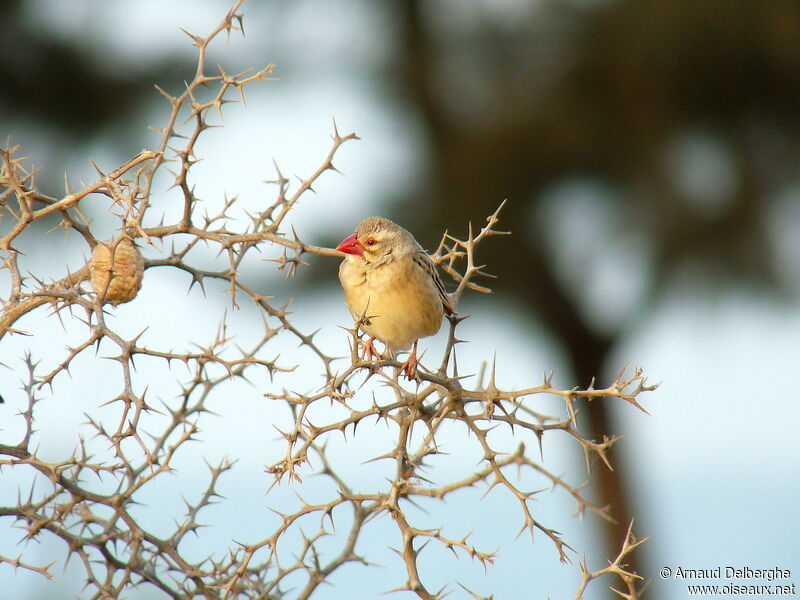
x=99, y=524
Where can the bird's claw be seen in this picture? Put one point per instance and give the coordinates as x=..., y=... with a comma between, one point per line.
x=370, y=352
x=409, y=368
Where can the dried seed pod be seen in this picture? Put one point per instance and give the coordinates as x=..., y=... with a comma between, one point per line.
x=116, y=271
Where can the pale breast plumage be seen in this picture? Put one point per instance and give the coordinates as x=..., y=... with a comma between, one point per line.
x=398, y=305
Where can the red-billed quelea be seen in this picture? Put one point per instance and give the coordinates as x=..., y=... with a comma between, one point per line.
x=392, y=287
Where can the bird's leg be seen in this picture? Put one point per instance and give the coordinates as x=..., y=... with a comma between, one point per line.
x=410, y=366
x=369, y=350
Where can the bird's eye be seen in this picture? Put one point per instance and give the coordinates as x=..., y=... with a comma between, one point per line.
x=371, y=242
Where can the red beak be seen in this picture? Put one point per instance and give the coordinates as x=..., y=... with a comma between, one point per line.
x=351, y=246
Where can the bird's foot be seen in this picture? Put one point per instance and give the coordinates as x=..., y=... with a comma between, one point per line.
x=370, y=352
x=409, y=368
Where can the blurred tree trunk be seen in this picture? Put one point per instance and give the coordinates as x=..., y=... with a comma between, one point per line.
x=622, y=91
x=470, y=172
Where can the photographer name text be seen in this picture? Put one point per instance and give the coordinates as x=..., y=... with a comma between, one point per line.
x=732, y=573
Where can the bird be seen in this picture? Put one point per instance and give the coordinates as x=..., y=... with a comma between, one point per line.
x=392, y=287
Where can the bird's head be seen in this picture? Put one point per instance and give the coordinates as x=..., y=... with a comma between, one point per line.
x=376, y=238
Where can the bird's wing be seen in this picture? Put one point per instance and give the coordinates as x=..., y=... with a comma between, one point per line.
x=426, y=264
